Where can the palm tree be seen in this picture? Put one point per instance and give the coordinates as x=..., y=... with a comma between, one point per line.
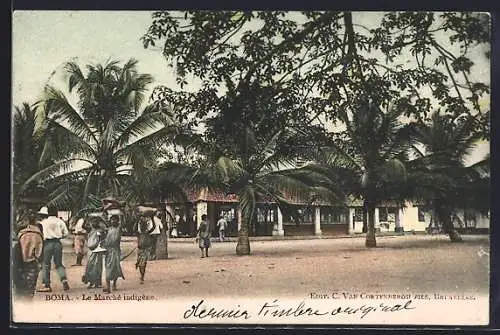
x=367, y=160
x=445, y=144
x=27, y=149
x=260, y=169
x=99, y=143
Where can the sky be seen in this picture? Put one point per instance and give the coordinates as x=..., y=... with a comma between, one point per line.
x=44, y=40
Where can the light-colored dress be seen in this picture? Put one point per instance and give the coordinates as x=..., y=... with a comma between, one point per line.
x=80, y=236
x=93, y=270
x=204, y=235
x=113, y=254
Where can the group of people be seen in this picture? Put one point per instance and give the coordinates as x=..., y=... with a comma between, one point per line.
x=39, y=244
x=103, y=243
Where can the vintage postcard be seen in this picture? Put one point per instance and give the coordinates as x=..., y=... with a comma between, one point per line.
x=251, y=168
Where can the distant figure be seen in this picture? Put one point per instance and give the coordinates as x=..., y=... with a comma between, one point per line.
x=80, y=236
x=203, y=236
x=27, y=257
x=54, y=229
x=174, y=232
x=144, y=244
x=93, y=270
x=113, y=253
x=222, y=225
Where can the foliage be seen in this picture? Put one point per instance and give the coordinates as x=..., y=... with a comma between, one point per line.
x=103, y=141
x=449, y=183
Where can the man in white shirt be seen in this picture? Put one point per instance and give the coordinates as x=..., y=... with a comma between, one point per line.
x=54, y=229
x=222, y=224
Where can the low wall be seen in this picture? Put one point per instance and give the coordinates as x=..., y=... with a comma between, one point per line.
x=334, y=229
x=300, y=230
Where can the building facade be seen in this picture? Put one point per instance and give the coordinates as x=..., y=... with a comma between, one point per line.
x=320, y=219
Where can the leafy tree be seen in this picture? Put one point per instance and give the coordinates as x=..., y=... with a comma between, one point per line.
x=259, y=170
x=449, y=184
x=368, y=159
x=103, y=140
x=327, y=59
x=318, y=68
x=27, y=151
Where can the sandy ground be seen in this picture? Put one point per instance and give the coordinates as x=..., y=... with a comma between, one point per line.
x=412, y=263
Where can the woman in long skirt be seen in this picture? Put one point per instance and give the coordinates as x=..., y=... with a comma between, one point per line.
x=113, y=254
x=93, y=270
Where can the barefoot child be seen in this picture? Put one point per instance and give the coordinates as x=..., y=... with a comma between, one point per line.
x=144, y=245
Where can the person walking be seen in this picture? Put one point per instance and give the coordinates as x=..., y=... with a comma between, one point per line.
x=222, y=225
x=203, y=236
x=54, y=229
x=113, y=254
x=93, y=270
x=27, y=257
x=80, y=236
x=144, y=244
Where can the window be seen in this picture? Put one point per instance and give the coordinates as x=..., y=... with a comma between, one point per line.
x=358, y=214
x=332, y=215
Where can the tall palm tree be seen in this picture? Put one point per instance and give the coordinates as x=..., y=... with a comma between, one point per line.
x=367, y=160
x=105, y=138
x=445, y=145
x=260, y=169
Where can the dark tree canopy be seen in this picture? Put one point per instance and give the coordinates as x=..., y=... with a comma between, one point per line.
x=317, y=64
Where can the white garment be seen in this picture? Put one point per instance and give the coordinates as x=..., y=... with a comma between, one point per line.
x=53, y=227
x=158, y=227
x=222, y=223
x=78, y=228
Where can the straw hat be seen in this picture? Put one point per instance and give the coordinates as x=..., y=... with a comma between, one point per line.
x=43, y=211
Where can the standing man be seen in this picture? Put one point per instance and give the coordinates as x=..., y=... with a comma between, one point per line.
x=222, y=224
x=54, y=229
x=158, y=227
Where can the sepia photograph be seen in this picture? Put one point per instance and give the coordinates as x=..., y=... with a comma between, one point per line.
x=209, y=167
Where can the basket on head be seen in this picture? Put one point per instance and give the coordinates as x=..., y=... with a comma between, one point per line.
x=146, y=211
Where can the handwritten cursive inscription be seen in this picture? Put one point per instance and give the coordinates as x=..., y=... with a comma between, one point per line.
x=202, y=312
x=275, y=309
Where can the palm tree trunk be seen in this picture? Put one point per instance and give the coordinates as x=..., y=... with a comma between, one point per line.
x=243, y=246
x=371, y=241
x=162, y=245
x=444, y=216
x=365, y=220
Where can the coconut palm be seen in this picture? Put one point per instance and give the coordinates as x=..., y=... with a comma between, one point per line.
x=445, y=144
x=260, y=169
x=27, y=146
x=367, y=160
x=103, y=139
